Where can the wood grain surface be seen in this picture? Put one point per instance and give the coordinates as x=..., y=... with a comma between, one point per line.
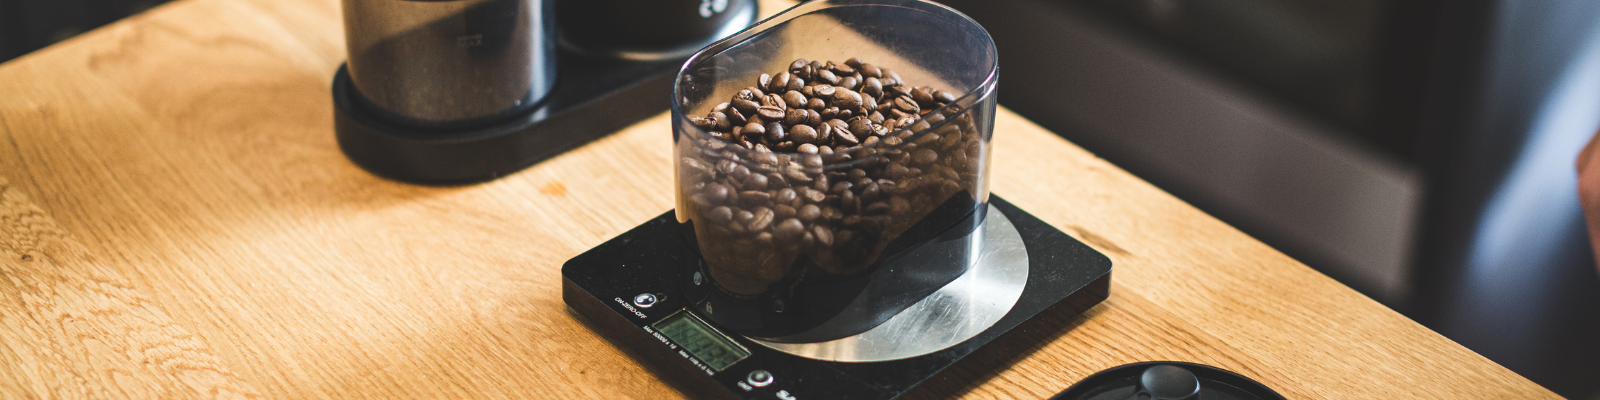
x=176, y=221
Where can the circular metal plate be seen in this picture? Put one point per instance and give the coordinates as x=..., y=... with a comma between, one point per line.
x=956, y=312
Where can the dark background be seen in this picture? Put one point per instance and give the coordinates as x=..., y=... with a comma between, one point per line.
x=1450, y=127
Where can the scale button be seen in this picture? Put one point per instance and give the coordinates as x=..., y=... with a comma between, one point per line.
x=644, y=300
x=759, y=378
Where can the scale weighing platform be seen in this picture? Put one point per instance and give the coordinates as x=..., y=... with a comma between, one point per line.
x=1029, y=280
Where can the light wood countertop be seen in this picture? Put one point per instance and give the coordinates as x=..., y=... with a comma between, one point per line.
x=176, y=221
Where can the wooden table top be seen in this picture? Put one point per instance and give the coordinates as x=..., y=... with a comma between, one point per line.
x=177, y=222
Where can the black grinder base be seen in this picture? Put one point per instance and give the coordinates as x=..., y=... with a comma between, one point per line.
x=594, y=96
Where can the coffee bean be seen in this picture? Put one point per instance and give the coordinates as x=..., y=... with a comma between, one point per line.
x=779, y=82
x=752, y=197
x=861, y=127
x=721, y=215
x=823, y=236
x=736, y=118
x=755, y=182
x=893, y=77
x=814, y=196
x=870, y=71
x=807, y=213
x=764, y=80
x=717, y=193
x=868, y=105
x=872, y=87
x=790, y=229
x=770, y=113
x=746, y=106
x=845, y=69
x=828, y=77
x=798, y=64
x=906, y=104
x=826, y=91
x=816, y=103
x=787, y=196
x=922, y=97
x=846, y=137
x=811, y=161
x=775, y=132
x=944, y=96
x=749, y=93
x=813, y=117
x=743, y=217
x=804, y=134
x=850, y=82
x=762, y=219
x=723, y=106
x=794, y=116
x=807, y=148
x=793, y=99
x=754, y=129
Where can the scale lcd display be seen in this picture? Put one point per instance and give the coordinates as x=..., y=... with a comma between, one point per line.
x=700, y=340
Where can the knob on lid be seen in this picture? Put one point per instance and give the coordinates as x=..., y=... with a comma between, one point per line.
x=1167, y=380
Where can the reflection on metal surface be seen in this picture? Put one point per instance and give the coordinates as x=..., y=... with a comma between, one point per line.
x=957, y=312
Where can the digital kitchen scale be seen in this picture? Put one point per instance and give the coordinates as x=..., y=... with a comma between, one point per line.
x=642, y=291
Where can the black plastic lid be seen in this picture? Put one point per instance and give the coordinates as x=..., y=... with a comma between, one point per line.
x=1157, y=380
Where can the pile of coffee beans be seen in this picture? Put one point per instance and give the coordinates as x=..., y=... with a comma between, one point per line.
x=821, y=164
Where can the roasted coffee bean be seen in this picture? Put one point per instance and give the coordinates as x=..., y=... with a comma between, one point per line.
x=804, y=134
x=894, y=78
x=869, y=70
x=824, y=134
x=775, y=132
x=774, y=100
x=703, y=123
x=755, y=182
x=816, y=103
x=850, y=82
x=906, y=104
x=794, y=116
x=922, y=97
x=754, y=197
x=762, y=219
x=793, y=99
x=717, y=193
x=748, y=93
x=814, y=196
x=872, y=87
x=721, y=107
x=876, y=117
x=745, y=106
x=826, y=91
x=807, y=213
x=868, y=105
x=754, y=129
x=798, y=63
x=944, y=96
x=722, y=215
x=811, y=161
x=791, y=229
x=845, y=69
x=828, y=77
x=764, y=80
x=779, y=82
x=823, y=234
x=771, y=113
x=813, y=117
x=807, y=148
x=861, y=127
x=736, y=118
x=846, y=137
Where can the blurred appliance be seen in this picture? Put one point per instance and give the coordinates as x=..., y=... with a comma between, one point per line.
x=461, y=91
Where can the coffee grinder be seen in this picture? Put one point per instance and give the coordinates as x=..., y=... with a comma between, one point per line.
x=445, y=92
x=913, y=288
